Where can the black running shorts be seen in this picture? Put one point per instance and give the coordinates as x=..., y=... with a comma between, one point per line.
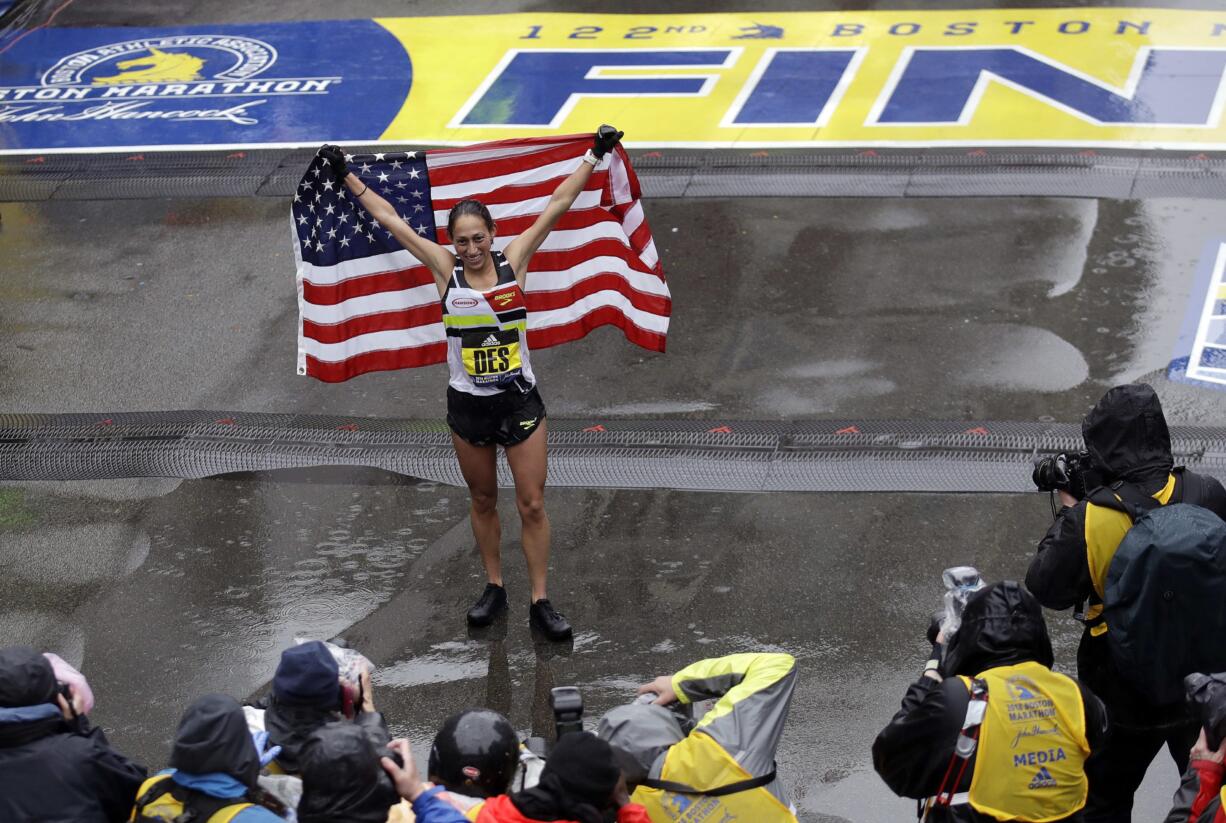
x=506, y=418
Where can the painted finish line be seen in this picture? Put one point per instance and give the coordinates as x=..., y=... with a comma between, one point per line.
x=902, y=456
x=1105, y=77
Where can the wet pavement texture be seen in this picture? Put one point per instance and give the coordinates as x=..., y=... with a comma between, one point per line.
x=1022, y=309
x=784, y=308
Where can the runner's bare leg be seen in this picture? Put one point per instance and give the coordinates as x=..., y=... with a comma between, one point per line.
x=529, y=465
x=477, y=464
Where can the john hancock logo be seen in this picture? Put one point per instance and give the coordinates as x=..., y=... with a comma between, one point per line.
x=136, y=79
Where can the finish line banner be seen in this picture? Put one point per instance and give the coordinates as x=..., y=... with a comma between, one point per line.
x=1104, y=77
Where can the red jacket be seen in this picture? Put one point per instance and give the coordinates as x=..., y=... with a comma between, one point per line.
x=1198, y=799
x=500, y=809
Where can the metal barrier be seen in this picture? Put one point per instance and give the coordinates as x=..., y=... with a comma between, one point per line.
x=745, y=456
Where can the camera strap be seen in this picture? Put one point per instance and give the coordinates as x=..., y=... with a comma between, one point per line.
x=718, y=791
x=965, y=745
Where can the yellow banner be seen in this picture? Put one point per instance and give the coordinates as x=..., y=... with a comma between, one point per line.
x=1108, y=77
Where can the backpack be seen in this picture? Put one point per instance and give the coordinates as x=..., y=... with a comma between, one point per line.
x=161, y=800
x=1164, y=600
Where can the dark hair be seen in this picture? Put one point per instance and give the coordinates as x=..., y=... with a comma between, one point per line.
x=475, y=207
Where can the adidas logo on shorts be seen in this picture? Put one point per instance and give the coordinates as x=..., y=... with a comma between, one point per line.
x=491, y=340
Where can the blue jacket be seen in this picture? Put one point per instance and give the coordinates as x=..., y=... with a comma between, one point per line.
x=430, y=808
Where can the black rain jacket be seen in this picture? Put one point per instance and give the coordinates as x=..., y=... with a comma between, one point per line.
x=1002, y=625
x=52, y=771
x=342, y=778
x=289, y=726
x=1127, y=437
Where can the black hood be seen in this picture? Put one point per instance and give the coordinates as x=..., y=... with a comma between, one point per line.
x=1126, y=434
x=1002, y=624
x=342, y=778
x=26, y=678
x=213, y=737
x=289, y=726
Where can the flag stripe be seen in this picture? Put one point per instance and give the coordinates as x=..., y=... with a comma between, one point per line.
x=375, y=264
x=413, y=337
x=532, y=200
x=372, y=323
x=553, y=171
x=371, y=304
x=401, y=280
x=549, y=300
x=381, y=360
x=481, y=172
x=606, y=316
x=585, y=305
x=544, y=263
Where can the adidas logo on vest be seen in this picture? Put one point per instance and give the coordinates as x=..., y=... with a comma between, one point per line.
x=1042, y=779
x=491, y=340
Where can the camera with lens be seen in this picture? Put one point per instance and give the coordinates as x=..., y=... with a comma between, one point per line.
x=1072, y=473
x=567, y=705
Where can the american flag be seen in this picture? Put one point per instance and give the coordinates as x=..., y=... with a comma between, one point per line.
x=366, y=304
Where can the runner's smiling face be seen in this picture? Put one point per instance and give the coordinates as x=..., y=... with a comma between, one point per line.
x=473, y=239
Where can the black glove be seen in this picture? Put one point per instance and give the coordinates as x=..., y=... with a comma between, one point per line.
x=335, y=157
x=606, y=138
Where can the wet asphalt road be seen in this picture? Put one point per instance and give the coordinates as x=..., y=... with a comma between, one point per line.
x=995, y=308
x=1020, y=309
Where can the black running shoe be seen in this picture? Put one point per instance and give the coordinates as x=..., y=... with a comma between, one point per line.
x=545, y=618
x=491, y=603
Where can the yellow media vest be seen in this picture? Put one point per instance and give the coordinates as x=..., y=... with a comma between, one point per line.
x=700, y=762
x=1104, y=529
x=1032, y=746
x=167, y=807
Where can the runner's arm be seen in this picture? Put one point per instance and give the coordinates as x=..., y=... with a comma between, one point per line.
x=520, y=250
x=431, y=254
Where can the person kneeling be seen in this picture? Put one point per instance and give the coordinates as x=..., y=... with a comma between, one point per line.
x=725, y=767
x=1003, y=737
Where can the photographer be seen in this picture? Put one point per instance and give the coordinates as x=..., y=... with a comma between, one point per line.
x=1128, y=451
x=475, y=756
x=989, y=732
x=1199, y=797
x=308, y=693
x=342, y=778
x=53, y=764
x=214, y=771
x=581, y=783
x=724, y=768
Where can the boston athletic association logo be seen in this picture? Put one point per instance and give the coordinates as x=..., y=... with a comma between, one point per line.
x=170, y=78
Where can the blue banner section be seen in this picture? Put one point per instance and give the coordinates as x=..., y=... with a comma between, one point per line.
x=1175, y=86
x=1200, y=352
x=305, y=82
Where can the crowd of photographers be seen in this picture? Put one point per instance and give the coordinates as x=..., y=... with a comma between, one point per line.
x=316, y=750
x=989, y=731
x=1138, y=549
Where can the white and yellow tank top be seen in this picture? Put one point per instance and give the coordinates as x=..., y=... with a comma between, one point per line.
x=487, y=333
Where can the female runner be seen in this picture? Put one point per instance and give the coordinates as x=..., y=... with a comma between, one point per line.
x=492, y=398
